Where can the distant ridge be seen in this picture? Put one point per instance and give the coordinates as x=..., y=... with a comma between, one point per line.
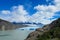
x=13, y=25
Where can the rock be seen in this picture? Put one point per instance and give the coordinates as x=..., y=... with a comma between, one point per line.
x=40, y=31
x=33, y=35
x=6, y=25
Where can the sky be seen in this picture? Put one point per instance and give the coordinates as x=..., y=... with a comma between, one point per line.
x=38, y=11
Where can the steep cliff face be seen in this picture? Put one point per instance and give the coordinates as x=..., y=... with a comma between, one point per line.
x=55, y=23
x=9, y=26
x=48, y=32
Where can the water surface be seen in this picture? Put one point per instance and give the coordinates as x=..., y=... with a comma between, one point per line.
x=18, y=34
x=14, y=34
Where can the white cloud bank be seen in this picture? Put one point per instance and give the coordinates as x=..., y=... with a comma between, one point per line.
x=18, y=14
x=43, y=14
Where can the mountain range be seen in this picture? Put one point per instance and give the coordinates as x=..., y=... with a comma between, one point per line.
x=6, y=25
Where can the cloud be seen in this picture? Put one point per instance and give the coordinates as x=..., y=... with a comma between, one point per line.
x=47, y=11
x=18, y=14
x=57, y=3
x=5, y=12
x=44, y=13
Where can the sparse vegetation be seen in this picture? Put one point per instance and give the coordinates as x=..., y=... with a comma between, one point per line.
x=51, y=34
x=51, y=31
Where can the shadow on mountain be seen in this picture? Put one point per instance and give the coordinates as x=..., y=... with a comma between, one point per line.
x=48, y=32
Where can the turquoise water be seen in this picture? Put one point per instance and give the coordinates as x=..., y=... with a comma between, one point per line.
x=18, y=34
x=14, y=34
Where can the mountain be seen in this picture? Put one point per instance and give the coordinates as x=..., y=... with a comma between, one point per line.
x=48, y=32
x=5, y=25
x=29, y=23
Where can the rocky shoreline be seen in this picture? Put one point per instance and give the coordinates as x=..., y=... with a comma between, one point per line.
x=40, y=31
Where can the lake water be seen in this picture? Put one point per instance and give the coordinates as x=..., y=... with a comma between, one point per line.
x=15, y=34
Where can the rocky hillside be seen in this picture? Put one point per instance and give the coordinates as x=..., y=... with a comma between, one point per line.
x=10, y=26
x=48, y=32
